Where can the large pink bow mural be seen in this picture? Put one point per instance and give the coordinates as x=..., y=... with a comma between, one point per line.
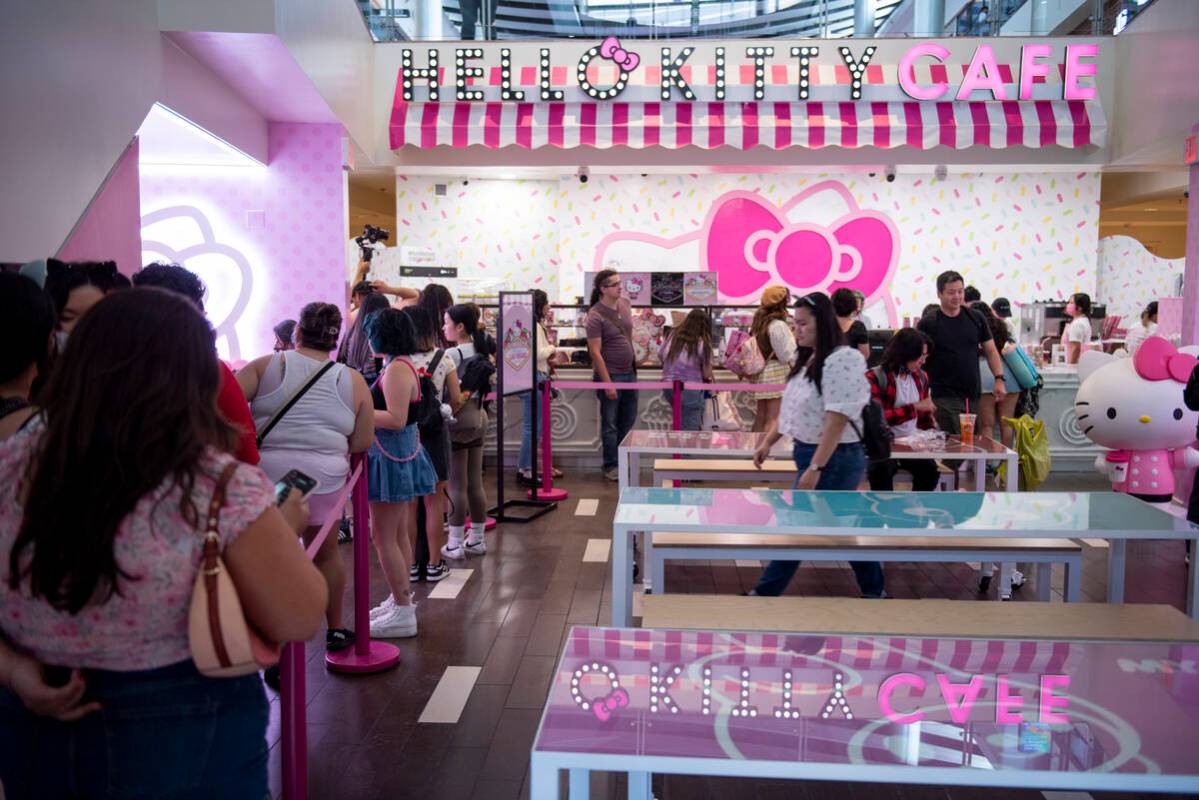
x=752, y=243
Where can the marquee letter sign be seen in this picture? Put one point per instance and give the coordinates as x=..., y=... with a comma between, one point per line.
x=612, y=69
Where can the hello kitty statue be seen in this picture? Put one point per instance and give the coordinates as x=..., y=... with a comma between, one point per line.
x=1134, y=406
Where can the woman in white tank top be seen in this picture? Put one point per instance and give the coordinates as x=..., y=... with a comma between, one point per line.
x=332, y=419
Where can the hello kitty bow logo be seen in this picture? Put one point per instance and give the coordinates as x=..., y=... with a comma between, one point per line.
x=752, y=243
x=610, y=49
x=1158, y=360
x=819, y=240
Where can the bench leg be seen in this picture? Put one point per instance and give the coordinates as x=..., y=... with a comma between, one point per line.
x=639, y=786
x=655, y=566
x=1073, y=585
x=1044, y=576
x=580, y=784
x=1116, y=552
x=543, y=780
x=1005, y=580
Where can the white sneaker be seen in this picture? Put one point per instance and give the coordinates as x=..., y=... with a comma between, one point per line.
x=478, y=548
x=399, y=624
x=383, y=609
x=453, y=550
x=1018, y=579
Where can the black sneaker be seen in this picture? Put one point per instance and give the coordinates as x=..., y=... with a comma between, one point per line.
x=526, y=479
x=435, y=572
x=343, y=532
x=271, y=677
x=416, y=572
x=338, y=639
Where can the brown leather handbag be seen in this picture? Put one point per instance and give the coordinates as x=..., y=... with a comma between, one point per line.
x=223, y=644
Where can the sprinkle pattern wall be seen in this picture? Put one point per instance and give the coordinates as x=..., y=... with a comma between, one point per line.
x=1130, y=276
x=1026, y=235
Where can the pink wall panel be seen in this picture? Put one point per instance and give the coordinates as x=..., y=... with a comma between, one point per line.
x=264, y=240
x=108, y=229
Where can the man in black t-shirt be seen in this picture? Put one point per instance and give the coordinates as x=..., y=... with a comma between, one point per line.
x=958, y=333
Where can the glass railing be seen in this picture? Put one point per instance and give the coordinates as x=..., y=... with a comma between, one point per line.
x=457, y=20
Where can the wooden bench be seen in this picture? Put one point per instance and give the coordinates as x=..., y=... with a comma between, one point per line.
x=1138, y=622
x=662, y=547
x=742, y=469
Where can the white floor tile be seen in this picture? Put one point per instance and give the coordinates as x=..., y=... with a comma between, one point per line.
x=586, y=507
x=597, y=550
x=449, y=698
x=448, y=588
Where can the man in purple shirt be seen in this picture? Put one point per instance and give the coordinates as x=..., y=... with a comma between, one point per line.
x=610, y=343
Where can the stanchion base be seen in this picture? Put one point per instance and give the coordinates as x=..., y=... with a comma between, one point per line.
x=553, y=495
x=381, y=656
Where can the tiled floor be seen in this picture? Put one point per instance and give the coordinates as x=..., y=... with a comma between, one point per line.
x=364, y=738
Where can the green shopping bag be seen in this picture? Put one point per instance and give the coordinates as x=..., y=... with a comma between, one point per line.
x=1031, y=443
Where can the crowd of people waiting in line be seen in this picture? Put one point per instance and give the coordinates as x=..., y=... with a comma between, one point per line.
x=111, y=460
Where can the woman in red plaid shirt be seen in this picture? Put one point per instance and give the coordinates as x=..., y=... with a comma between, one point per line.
x=900, y=385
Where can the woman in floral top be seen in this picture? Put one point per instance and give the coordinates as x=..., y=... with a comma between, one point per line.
x=101, y=516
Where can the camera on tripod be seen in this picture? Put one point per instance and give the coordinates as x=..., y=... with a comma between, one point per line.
x=370, y=240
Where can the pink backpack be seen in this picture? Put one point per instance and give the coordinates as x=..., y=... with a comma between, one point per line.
x=742, y=356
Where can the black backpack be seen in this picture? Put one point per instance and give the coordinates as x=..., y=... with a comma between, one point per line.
x=429, y=420
x=875, y=433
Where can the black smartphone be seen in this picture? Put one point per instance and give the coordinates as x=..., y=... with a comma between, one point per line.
x=294, y=479
x=56, y=676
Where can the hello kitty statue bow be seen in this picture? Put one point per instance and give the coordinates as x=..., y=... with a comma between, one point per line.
x=1158, y=360
x=610, y=49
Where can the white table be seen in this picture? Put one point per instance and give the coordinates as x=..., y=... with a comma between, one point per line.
x=1030, y=515
x=707, y=444
x=713, y=444
x=672, y=702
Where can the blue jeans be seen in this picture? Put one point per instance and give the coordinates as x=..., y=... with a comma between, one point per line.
x=617, y=417
x=524, y=462
x=167, y=732
x=844, y=470
x=693, y=408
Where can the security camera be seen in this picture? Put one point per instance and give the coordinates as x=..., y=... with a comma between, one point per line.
x=584, y=174
x=941, y=172
x=890, y=173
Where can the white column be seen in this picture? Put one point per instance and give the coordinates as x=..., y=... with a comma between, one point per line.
x=428, y=15
x=1039, y=23
x=928, y=18
x=863, y=18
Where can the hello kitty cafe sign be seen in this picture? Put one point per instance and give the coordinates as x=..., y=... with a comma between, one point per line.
x=778, y=71
x=777, y=94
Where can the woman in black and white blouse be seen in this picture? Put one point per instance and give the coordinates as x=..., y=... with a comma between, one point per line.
x=826, y=390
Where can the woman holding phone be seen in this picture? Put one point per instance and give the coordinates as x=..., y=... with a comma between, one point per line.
x=102, y=519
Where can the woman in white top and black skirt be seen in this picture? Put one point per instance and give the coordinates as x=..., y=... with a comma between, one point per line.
x=826, y=390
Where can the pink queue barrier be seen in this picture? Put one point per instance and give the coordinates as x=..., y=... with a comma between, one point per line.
x=365, y=657
x=547, y=491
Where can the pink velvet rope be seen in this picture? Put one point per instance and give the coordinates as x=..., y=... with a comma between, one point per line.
x=341, y=502
x=390, y=457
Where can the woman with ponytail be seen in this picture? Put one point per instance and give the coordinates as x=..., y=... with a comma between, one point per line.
x=470, y=351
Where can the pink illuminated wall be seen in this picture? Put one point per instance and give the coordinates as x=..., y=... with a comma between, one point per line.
x=109, y=229
x=265, y=240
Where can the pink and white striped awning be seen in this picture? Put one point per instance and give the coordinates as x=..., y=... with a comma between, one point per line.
x=743, y=125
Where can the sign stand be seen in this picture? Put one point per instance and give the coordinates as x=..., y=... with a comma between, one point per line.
x=517, y=346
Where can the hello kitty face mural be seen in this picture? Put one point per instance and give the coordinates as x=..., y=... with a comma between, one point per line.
x=1134, y=406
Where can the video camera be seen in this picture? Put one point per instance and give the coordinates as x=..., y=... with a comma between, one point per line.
x=370, y=240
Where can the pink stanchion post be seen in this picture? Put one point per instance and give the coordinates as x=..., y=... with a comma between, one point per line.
x=547, y=490
x=366, y=656
x=676, y=417
x=293, y=722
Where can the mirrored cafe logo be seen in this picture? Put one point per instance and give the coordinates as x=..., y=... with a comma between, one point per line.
x=596, y=689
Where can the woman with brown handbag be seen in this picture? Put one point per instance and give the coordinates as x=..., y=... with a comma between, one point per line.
x=103, y=504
